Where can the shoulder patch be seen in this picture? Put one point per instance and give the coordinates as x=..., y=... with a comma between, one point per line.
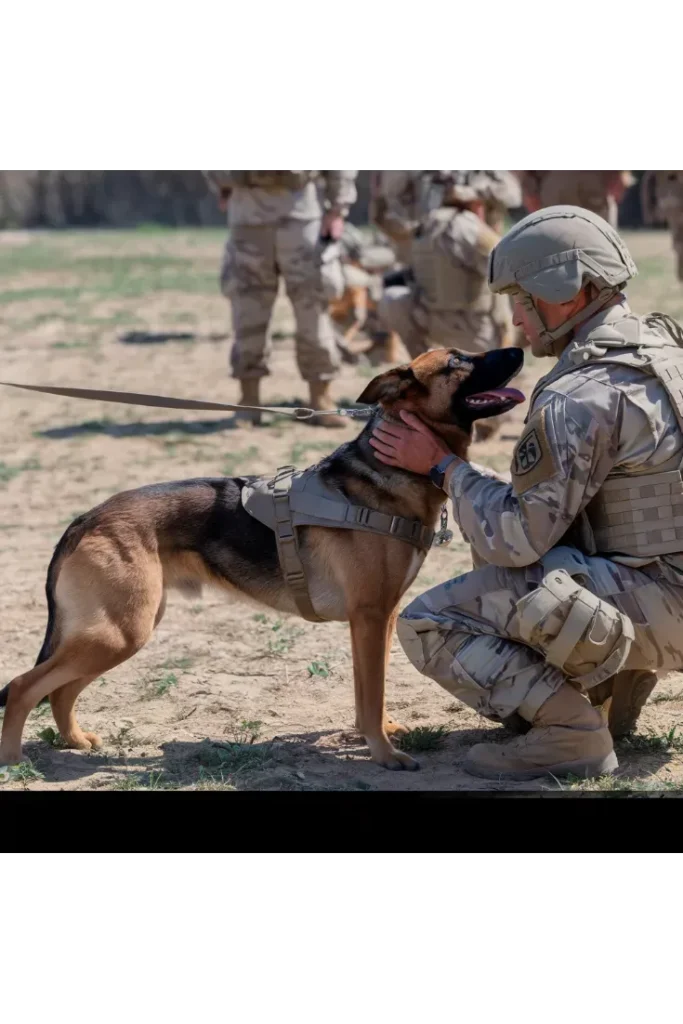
x=532, y=460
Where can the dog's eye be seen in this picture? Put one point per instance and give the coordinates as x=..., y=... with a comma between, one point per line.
x=456, y=362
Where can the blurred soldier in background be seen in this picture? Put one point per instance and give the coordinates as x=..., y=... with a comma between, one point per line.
x=448, y=301
x=598, y=191
x=398, y=202
x=283, y=223
x=665, y=206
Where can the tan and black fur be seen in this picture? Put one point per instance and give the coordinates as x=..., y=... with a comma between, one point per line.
x=110, y=572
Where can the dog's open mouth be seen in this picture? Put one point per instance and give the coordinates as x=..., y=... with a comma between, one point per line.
x=494, y=398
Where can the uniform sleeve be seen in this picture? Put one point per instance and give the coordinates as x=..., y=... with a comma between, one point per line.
x=567, y=449
x=340, y=190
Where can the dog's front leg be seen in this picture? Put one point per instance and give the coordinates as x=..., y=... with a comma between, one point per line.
x=371, y=630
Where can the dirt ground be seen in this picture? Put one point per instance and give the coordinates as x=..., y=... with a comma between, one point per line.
x=225, y=695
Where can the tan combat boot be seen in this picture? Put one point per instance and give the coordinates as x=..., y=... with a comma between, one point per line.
x=250, y=395
x=321, y=399
x=567, y=737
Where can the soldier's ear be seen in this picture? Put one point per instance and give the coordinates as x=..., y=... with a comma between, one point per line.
x=390, y=386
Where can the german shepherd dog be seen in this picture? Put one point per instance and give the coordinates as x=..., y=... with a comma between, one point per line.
x=107, y=581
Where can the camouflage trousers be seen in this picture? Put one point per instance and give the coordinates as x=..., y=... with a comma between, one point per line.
x=255, y=257
x=400, y=310
x=465, y=633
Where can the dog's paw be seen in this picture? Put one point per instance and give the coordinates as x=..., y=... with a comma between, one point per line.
x=396, y=761
x=94, y=740
x=395, y=728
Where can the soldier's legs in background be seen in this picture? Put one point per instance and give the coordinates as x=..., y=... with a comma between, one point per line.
x=299, y=259
x=249, y=279
x=396, y=312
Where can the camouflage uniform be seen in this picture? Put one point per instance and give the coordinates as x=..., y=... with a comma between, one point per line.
x=449, y=302
x=399, y=201
x=581, y=554
x=275, y=219
x=670, y=209
x=598, y=191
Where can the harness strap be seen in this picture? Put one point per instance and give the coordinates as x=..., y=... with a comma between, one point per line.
x=288, y=546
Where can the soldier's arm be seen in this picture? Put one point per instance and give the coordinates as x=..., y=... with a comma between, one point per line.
x=340, y=191
x=567, y=449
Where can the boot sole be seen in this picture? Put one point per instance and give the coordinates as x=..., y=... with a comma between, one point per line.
x=582, y=769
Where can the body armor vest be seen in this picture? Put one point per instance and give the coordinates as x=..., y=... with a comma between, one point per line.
x=639, y=515
x=447, y=284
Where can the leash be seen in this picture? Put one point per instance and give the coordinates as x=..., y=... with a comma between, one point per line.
x=159, y=402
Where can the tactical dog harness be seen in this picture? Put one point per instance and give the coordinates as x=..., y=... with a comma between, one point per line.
x=295, y=498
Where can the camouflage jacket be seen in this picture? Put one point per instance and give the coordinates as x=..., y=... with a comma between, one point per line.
x=588, y=419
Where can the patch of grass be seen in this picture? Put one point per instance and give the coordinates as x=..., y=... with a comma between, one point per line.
x=41, y=710
x=234, y=460
x=246, y=732
x=50, y=737
x=71, y=344
x=422, y=738
x=285, y=639
x=617, y=784
x=24, y=772
x=151, y=780
x=8, y=473
x=319, y=668
x=260, y=617
x=232, y=758
x=181, y=663
x=160, y=687
x=653, y=742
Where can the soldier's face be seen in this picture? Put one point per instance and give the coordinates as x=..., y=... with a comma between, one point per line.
x=553, y=315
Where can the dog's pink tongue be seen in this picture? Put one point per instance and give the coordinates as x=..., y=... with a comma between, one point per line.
x=502, y=394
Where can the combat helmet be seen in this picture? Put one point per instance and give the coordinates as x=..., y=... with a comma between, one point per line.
x=551, y=254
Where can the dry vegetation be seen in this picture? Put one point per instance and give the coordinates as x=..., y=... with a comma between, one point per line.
x=226, y=695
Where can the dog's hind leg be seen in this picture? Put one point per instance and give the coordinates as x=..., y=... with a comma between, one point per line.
x=106, y=610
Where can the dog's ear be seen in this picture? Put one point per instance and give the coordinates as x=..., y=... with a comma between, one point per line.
x=390, y=386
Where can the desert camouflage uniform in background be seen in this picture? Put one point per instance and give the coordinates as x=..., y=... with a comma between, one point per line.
x=582, y=554
x=448, y=302
x=598, y=191
x=275, y=221
x=399, y=201
x=668, y=207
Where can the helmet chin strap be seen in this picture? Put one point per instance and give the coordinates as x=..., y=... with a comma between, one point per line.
x=548, y=337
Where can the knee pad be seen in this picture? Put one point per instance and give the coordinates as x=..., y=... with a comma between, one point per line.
x=577, y=632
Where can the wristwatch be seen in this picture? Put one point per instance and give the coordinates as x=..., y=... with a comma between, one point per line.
x=437, y=473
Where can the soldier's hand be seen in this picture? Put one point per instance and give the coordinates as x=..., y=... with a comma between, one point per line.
x=413, y=447
x=332, y=226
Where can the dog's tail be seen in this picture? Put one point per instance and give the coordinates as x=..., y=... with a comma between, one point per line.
x=48, y=642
